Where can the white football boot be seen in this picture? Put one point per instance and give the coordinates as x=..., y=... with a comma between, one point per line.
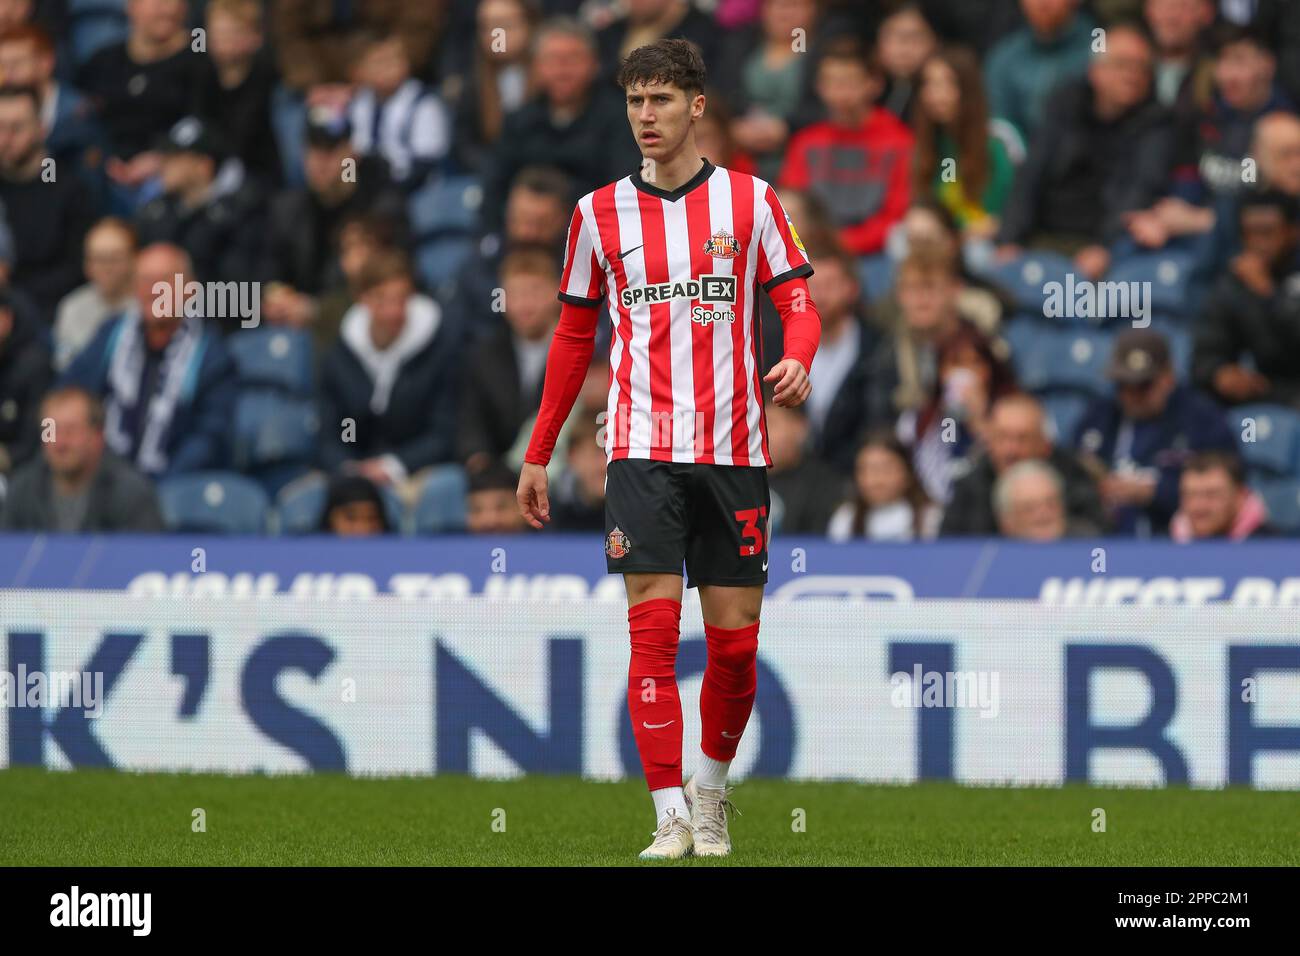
x=709, y=808
x=672, y=841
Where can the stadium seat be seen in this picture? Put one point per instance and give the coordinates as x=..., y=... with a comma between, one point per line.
x=272, y=428
x=1065, y=409
x=1054, y=357
x=94, y=24
x=1275, y=448
x=1282, y=496
x=441, y=506
x=1023, y=279
x=216, y=502
x=1180, y=339
x=877, y=276
x=299, y=506
x=438, y=261
x=1170, y=273
x=445, y=205
x=274, y=356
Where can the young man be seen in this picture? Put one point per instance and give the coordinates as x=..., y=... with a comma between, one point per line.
x=679, y=250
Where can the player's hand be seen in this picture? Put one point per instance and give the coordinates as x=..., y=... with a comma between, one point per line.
x=792, y=384
x=534, y=503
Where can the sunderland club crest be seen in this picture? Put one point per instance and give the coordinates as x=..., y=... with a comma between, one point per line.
x=722, y=245
x=616, y=544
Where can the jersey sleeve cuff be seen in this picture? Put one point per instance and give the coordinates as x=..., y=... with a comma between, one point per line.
x=579, y=300
x=798, y=272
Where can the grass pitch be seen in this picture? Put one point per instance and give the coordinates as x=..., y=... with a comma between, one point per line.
x=91, y=818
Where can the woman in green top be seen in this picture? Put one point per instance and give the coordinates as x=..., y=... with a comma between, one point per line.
x=959, y=161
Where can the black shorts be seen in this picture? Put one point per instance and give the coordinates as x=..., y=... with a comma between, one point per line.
x=713, y=518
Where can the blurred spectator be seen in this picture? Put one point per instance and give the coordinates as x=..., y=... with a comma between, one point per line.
x=47, y=207
x=140, y=87
x=578, y=498
x=1103, y=150
x=1017, y=432
x=208, y=206
x=317, y=41
x=389, y=386
x=236, y=85
x=109, y=264
x=490, y=506
x=928, y=223
x=1248, y=338
x=27, y=58
x=77, y=485
x=837, y=407
x=959, y=162
x=714, y=139
x=573, y=122
x=858, y=162
x=489, y=78
x=362, y=235
x=1137, y=441
x=304, y=222
x=1030, y=503
x=1183, y=68
x=805, y=491
x=25, y=374
x=1214, y=501
x=537, y=212
x=904, y=43
x=396, y=115
x=503, y=383
x=645, y=21
x=166, y=378
x=353, y=508
x=888, y=503
x=1277, y=147
x=1024, y=68
x=765, y=76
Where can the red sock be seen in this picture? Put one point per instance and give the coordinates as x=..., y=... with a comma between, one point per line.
x=727, y=697
x=652, y=690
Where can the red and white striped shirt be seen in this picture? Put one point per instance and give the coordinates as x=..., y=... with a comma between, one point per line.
x=680, y=272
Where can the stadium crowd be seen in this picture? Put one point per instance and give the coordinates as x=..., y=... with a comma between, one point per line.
x=1056, y=250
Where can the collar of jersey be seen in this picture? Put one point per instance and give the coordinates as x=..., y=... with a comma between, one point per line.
x=705, y=172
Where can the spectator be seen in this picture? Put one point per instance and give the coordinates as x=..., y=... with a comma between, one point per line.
x=959, y=162
x=304, y=222
x=164, y=374
x=68, y=124
x=109, y=264
x=578, y=501
x=805, y=491
x=1023, y=69
x=77, y=485
x=389, y=385
x=492, y=80
x=24, y=376
x=1248, y=340
x=715, y=140
x=49, y=210
x=490, y=502
x=904, y=43
x=1277, y=147
x=140, y=87
x=858, y=162
x=1214, y=501
x=889, y=503
x=354, y=508
x=503, y=387
x=646, y=21
x=1183, y=69
x=571, y=123
x=236, y=86
x=1017, y=432
x=396, y=115
x=208, y=206
x=1103, y=151
x=1030, y=503
x=1137, y=441
x=838, y=405
x=361, y=236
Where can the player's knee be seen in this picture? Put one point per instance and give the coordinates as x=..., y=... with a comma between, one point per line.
x=733, y=653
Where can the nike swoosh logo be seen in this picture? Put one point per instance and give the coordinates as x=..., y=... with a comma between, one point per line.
x=730, y=736
x=624, y=255
x=764, y=564
x=656, y=726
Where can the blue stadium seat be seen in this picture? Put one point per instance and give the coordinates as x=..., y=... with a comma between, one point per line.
x=1023, y=279
x=93, y=24
x=1275, y=450
x=1055, y=357
x=876, y=273
x=213, y=502
x=446, y=204
x=1282, y=496
x=272, y=428
x=1065, y=410
x=439, y=261
x=299, y=505
x=274, y=356
x=1170, y=273
x=441, y=506
x=1180, y=339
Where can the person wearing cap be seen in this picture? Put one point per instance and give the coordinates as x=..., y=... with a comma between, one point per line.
x=1247, y=346
x=208, y=207
x=353, y=508
x=1137, y=440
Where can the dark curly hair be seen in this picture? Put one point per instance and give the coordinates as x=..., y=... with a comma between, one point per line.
x=677, y=62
